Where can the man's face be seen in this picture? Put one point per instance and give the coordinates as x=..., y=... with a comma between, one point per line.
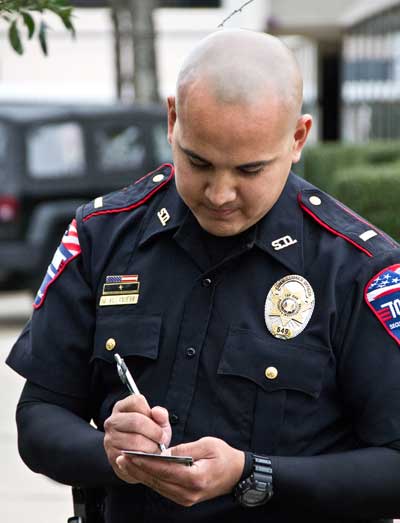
x=231, y=161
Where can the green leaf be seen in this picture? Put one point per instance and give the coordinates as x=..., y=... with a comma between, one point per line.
x=43, y=37
x=15, y=39
x=29, y=22
x=66, y=20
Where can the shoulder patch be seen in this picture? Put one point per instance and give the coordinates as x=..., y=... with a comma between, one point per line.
x=382, y=294
x=130, y=197
x=342, y=221
x=68, y=250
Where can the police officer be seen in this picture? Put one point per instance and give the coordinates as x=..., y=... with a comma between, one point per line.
x=257, y=315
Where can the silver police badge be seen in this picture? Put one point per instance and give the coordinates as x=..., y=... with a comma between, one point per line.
x=289, y=306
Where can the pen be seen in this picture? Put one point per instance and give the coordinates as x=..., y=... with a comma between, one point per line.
x=126, y=378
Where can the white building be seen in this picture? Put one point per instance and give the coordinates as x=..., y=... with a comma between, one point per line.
x=83, y=69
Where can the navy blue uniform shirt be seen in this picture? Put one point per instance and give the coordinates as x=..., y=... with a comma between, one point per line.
x=195, y=337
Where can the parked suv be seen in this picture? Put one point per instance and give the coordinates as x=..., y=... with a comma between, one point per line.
x=52, y=159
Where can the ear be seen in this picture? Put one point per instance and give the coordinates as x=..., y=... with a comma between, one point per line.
x=303, y=127
x=171, y=101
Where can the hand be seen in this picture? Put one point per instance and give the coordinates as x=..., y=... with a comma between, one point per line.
x=216, y=470
x=134, y=425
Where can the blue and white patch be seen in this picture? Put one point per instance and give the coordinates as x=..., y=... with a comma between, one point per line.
x=68, y=249
x=382, y=294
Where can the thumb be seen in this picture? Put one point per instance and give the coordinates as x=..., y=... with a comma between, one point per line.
x=201, y=449
x=160, y=416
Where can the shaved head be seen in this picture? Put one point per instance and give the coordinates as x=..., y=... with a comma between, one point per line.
x=235, y=127
x=243, y=67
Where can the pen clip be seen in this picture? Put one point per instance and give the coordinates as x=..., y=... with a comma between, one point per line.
x=121, y=368
x=125, y=375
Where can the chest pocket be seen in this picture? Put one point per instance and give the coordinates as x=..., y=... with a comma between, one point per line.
x=135, y=338
x=278, y=372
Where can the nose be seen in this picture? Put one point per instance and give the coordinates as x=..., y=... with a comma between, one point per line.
x=220, y=189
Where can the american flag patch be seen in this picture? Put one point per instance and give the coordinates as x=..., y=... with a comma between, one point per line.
x=122, y=278
x=68, y=249
x=382, y=294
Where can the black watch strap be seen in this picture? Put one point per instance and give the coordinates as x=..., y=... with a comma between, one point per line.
x=248, y=465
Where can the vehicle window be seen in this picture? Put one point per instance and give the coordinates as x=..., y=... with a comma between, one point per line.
x=56, y=150
x=119, y=147
x=162, y=148
x=4, y=136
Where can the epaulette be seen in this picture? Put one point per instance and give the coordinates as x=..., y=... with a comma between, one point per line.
x=130, y=197
x=342, y=221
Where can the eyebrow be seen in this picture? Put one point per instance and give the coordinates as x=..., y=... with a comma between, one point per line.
x=260, y=163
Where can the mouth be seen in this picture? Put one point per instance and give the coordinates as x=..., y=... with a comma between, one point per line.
x=220, y=213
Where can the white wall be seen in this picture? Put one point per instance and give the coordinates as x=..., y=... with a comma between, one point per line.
x=74, y=69
x=179, y=29
x=83, y=69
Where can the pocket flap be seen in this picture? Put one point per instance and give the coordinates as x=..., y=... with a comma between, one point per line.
x=274, y=364
x=127, y=335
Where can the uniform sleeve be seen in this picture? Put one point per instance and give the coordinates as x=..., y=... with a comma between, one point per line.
x=369, y=353
x=50, y=424
x=53, y=350
x=360, y=484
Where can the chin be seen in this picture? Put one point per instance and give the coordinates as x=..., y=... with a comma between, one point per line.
x=221, y=230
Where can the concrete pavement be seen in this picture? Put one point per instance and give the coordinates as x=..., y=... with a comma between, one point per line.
x=25, y=497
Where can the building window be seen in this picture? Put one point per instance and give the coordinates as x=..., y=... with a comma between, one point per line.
x=359, y=70
x=161, y=3
x=189, y=3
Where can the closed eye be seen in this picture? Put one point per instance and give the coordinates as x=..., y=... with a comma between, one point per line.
x=197, y=162
x=251, y=171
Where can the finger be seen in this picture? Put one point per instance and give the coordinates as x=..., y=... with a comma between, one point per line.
x=133, y=403
x=121, y=472
x=203, y=448
x=133, y=442
x=161, y=417
x=186, y=493
x=134, y=423
x=175, y=473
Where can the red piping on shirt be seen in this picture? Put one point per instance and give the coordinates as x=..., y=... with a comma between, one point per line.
x=330, y=229
x=140, y=202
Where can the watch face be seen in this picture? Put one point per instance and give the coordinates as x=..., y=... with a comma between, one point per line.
x=256, y=489
x=254, y=497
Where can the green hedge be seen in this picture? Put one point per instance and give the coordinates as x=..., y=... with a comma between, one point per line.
x=365, y=177
x=321, y=162
x=374, y=192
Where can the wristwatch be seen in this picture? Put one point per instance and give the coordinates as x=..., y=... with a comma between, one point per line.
x=256, y=489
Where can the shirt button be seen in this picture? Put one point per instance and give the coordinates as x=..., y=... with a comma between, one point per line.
x=190, y=352
x=174, y=419
x=271, y=373
x=314, y=200
x=158, y=178
x=206, y=282
x=110, y=344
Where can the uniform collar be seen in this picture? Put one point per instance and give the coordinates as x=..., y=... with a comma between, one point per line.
x=282, y=226
x=274, y=233
x=176, y=209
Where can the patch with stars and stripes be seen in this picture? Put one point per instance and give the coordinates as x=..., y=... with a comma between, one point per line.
x=382, y=294
x=68, y=250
